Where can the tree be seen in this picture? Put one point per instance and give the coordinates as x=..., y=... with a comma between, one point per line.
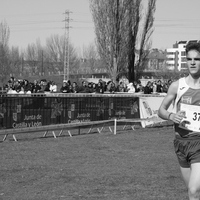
x=91, y=57
x=34, y=56
x=31, y=57
x=120, y=30
x=40, y=57
x=139, y=27
x=109, y=23
x=55, y=54
x=15, y=61
x=4, y=51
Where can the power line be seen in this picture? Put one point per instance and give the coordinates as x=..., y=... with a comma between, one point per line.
x=175, y=20
x=177, y=26
x=36, y=14
x=35, y=22
x=36, y=29
x=66, y=44
x=83, y=21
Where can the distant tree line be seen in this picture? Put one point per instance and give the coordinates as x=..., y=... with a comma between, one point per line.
x=40, y=60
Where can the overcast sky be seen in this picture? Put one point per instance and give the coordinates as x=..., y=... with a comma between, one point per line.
x=29, y=20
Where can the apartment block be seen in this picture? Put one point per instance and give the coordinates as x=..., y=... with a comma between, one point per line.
x=176, y=56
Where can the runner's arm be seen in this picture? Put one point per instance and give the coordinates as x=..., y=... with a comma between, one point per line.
x=171, y=96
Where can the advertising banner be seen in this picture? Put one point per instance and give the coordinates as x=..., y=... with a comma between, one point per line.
x=33, y=111
x=149, y=109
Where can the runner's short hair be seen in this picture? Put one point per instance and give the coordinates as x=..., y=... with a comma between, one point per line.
x=192, y=46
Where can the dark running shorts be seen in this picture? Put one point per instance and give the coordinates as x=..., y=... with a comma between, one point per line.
x=187, y=151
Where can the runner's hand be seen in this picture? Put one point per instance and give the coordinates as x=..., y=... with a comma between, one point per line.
x=178, y=117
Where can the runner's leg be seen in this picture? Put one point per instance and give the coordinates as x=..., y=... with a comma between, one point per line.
x=186, y=175
x=194, y=182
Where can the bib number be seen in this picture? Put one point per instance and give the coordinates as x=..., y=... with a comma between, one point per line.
x=192, y=117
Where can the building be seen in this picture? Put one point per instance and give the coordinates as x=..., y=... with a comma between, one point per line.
x=156, y=60
x=154, y=63
x=176, y=56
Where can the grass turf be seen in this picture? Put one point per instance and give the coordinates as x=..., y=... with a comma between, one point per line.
x=132, y=165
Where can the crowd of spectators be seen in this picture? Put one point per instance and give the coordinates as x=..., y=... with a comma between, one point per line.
x=157, y=87
x=14, y=86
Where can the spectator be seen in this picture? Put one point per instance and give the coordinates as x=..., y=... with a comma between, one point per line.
x=90, y=88
x=154, y=84
x=70, y=89
x=35, y=87
x=121, y=87
x=69, y=83
x=94, y=87
x=100, y=88
x=107, y=86
x=138, y=86
x=159, y=87
x=47, y=86
x=53, y=87
x=148, y=89
x=64, y=88
x=130, y=88
x=103, y=84
x=112, y=87
x=83, y=88
x=75, y=88
x=165, y=87
x=42, y=85
x=17, y=86
x=27, y=86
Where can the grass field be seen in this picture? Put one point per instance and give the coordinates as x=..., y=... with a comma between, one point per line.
x=132, y=165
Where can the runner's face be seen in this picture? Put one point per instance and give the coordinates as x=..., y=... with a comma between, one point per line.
x=193, y=62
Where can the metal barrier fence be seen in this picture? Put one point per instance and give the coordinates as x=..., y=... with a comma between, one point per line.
x=37, y=110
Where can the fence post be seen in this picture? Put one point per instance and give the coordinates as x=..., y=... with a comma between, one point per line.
x=115, y=126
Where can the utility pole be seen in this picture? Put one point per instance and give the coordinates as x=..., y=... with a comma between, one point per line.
x=66, y=46
x=42, y=64
x=22, y=63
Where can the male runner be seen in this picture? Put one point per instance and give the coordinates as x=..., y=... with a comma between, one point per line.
x=185, y=95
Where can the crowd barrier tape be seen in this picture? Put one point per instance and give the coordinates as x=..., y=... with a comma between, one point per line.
x=54, y=111
x=68, y=127
x=48, y=128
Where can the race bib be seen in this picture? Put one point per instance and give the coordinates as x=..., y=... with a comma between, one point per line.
x=192, y=117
